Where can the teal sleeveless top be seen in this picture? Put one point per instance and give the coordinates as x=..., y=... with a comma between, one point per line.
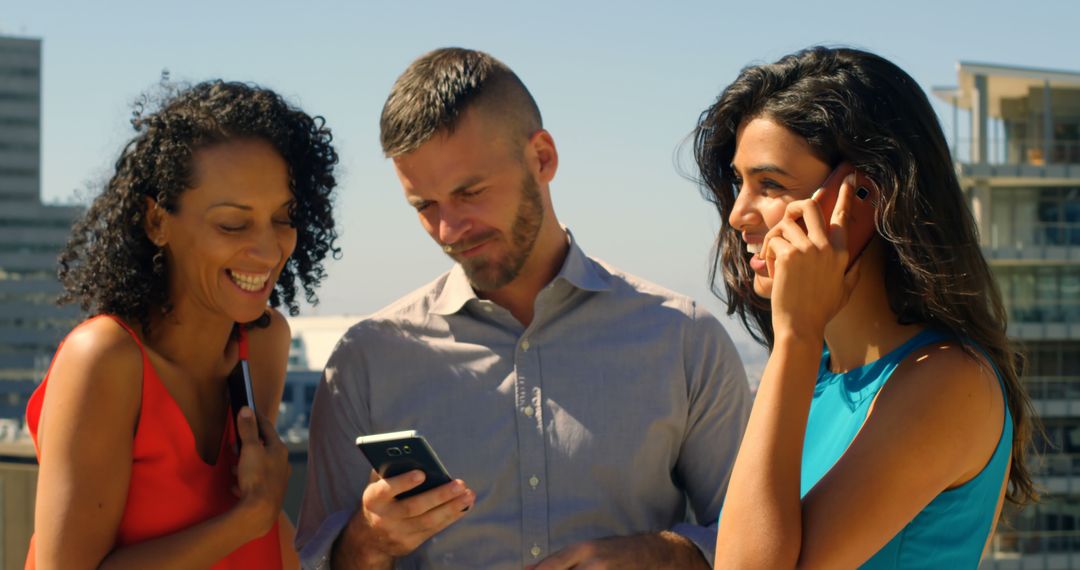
x=951, y=531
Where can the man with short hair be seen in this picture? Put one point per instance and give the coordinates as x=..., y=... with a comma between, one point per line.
x=585, y=410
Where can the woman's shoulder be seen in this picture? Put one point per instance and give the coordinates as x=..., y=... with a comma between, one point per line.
x=97, y=373
x=954, y=392
x=949, y=371
x=102, y=344
x=269, y=348
x=272, y=338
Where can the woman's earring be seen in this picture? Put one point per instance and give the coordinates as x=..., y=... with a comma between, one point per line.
x=158, y=261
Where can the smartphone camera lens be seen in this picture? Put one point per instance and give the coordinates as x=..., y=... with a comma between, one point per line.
x=393, y=452
x=862, y=193
x=406, y=449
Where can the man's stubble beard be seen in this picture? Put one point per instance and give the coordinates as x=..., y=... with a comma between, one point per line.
x=485, y=275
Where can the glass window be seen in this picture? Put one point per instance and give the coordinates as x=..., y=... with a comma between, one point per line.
x=1001, y=224
x=1070, y=291
x=1070, y=359
x=1025, y=228
x=1046, y=293
x=1066, y=137
x=1044, y=360
x=1049, y=216
x=1023, y=284
x=1029, y=216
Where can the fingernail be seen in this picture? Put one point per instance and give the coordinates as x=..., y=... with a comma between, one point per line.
x=850, y=179
x=245, y=412
x=816, y=193
x=417, y=476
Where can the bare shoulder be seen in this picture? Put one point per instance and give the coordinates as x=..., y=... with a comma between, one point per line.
x=948, y=373
x=95, y=381
x=273, y=338
x=100, y=353
x=269, y=348
x=953, y=393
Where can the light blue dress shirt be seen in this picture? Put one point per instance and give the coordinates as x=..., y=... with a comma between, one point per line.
x=618, y=410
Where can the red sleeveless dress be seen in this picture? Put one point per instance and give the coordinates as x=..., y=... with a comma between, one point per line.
x=171, y=487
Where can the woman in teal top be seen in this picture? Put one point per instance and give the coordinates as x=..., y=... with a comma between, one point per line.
x=890, y=424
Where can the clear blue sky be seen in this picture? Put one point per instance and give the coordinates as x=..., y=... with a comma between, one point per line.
x=620, y=85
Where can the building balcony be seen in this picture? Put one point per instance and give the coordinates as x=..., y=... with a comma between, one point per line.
x=1029, y=327
x=1027, y=158
x=1057, y=473
x=28, y=262
x=1032, y=242
x=1022, y=550
x=1055, y=396
x=1046, y=248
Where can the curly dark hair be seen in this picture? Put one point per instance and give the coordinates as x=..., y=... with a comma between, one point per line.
x=108, y=264
x=851, y=105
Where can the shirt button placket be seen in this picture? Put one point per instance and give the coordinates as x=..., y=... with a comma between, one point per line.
x=533, y=456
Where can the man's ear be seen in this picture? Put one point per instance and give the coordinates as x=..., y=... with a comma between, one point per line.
x=542, y=147
x=154, y=222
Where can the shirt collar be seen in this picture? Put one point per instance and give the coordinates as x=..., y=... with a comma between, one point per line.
x=577, y=270
x=582, y=272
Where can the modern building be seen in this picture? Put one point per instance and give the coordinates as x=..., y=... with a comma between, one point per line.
x=31, y=233
x=313, y=338
x=1020, y=168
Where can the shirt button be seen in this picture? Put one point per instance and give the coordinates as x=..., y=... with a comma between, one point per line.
x=525, y=345
x=535, y=551
x=529, y=411
x=534, y=481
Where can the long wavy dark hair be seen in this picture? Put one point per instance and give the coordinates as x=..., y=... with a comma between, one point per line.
x=108, y=264
x=854, y=106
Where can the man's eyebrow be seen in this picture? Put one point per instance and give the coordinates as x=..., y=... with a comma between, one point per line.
x=469, y=183
x=415, y=201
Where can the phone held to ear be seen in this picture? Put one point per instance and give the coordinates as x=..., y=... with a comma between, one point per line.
x=861, y=211
x=394, y=453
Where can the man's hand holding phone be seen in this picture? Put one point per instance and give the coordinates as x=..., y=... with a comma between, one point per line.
x=385, y=528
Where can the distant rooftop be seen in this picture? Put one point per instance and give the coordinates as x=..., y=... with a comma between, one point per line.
x=1003, y=82
x=314, y=339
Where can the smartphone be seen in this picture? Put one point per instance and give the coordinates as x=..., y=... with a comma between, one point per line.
x=398, y=452
x=863, y=210
x=239, y=381
x=240, y=394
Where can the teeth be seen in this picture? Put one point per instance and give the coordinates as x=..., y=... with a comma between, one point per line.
x=753, y=247
x=249, y=281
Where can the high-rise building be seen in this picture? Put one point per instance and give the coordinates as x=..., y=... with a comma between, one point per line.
x=1020, y=168
x=31, y=233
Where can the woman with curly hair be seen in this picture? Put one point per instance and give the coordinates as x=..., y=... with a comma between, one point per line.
x=220, y=207
x=890, y=422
